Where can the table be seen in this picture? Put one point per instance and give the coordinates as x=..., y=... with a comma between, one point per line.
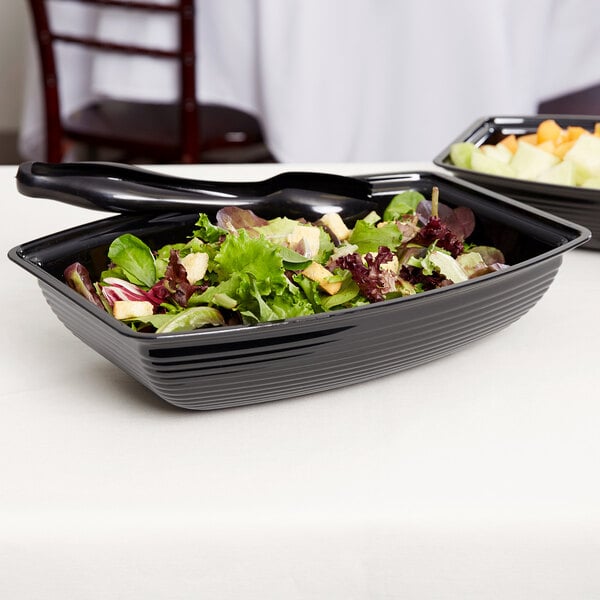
x=344, y=80
x=483, y=486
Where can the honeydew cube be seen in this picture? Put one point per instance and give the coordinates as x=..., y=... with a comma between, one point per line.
x=317, y=272
x=460, y=154
x=529, y=161
x=510, y=141
x=498, y=152
x=592, y=182
x=563, y=148
x=195, y=265
x=585, y=155
x=562, y=173
x=529, y=138
x=130, y=309
x=486, y=164
x=336, y=225
x=575, y=132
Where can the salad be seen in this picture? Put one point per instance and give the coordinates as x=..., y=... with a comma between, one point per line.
x=243, y=269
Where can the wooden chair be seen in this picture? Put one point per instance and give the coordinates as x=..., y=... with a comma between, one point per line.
x=185, y=132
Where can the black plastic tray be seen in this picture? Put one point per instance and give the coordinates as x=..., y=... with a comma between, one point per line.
x=229, y=366
x=578, y=204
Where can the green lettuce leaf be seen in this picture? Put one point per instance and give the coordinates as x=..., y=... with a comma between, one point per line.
x=135, y=259
x=369, y=238
x=206, y=231
x=402, y=204
x=254, y=258
x=184, y=320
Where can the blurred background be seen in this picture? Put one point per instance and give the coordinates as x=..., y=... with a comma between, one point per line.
x=298, y=81
x=14, y=32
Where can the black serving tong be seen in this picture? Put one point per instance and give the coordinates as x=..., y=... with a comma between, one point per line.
x=123, y=188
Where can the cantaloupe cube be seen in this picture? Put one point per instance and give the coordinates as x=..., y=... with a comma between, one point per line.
x=563, y=148
x=529, y=138
x=548, y=130
x=597, y=129
x=547, y=146
x=510, y=141
x=573, y=133
x=562, y=138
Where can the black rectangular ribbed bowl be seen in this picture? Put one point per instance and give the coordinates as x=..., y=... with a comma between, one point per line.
x=230, y=366
x=581, y=205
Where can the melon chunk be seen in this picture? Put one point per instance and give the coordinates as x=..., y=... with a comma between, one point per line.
x=529, y=161
x=492, y=166
x=548, y=130
x=497, y=152
x=562, y=173
x=460, y=154
x=585, y=155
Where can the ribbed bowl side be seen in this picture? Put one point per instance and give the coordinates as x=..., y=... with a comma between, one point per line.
x=258, y=364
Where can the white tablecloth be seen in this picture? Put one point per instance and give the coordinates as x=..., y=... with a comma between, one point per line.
x=346, y=80
x=473, y=477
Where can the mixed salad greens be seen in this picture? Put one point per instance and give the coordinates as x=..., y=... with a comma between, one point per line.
x=244, y=269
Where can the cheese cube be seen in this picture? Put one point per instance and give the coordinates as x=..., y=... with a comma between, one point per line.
x=321, y=275
x=130, y=309
x=195, y=265
x=305, y=239
x=334, y=223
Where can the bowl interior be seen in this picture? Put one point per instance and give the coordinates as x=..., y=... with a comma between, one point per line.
x=522, y=233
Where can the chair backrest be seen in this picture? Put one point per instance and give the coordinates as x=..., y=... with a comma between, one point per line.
x=184, y=54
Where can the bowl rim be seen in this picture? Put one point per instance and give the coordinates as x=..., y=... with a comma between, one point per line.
x=581, y=234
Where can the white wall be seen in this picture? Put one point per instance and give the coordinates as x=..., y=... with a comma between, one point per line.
x=14, y=32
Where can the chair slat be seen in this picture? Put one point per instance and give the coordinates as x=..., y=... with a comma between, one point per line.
x=175, y=7
x=113, y=47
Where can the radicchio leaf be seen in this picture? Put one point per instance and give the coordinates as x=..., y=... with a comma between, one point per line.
x=460, y=221
x=114, y=289
x=232, y=218
x=415, y=276
x=175, y=281
x=372, y=280
x=78, y=278
x=436, y=231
